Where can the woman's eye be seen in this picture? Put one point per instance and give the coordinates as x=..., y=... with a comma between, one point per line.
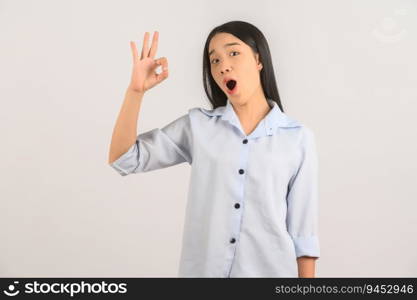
x=217, y=59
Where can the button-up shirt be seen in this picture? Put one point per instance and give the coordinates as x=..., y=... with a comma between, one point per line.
x=252, y=205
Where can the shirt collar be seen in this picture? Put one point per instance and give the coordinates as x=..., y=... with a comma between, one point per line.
x=267, y=126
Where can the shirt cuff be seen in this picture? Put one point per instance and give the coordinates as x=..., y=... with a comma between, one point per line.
x=128, y=161
x=307, y=246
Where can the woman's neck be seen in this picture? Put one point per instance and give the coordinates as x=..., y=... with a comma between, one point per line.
x=252, y=111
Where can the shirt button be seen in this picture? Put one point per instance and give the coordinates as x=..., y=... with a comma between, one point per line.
x=245, y=141
x=232, y=240
x=241, y=171
x=237, y=205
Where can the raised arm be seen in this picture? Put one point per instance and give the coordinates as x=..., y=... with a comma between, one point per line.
x=143, y=78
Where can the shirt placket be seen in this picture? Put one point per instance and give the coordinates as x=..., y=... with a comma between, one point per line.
x=238, y=205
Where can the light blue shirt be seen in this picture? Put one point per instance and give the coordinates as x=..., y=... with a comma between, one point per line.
x=252, y=205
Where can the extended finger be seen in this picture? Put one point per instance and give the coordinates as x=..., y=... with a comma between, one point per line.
x=145, y=46
x=154, y=46
x=134, y=50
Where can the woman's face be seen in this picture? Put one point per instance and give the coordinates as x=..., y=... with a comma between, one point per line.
x=233, y=59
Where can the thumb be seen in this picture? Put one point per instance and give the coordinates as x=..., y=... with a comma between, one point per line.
x=161, y=62
x=161, y=76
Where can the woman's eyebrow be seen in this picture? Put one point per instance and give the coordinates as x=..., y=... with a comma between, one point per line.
x=224, y=46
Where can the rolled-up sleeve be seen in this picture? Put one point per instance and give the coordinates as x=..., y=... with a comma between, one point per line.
x=158, y=148
x=302, y=200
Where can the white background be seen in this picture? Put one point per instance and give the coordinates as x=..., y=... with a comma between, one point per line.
x=347, y=69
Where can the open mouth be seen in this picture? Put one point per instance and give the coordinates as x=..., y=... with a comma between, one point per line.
x=231, y=84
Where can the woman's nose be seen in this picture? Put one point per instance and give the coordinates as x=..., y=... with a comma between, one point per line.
x=228, y=69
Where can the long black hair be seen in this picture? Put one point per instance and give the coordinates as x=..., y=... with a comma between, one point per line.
x=254, y=38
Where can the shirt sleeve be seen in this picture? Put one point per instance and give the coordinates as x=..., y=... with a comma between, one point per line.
x=302, y=200
x=158, y=148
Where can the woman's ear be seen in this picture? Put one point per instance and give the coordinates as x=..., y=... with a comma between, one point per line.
x=260, y=66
